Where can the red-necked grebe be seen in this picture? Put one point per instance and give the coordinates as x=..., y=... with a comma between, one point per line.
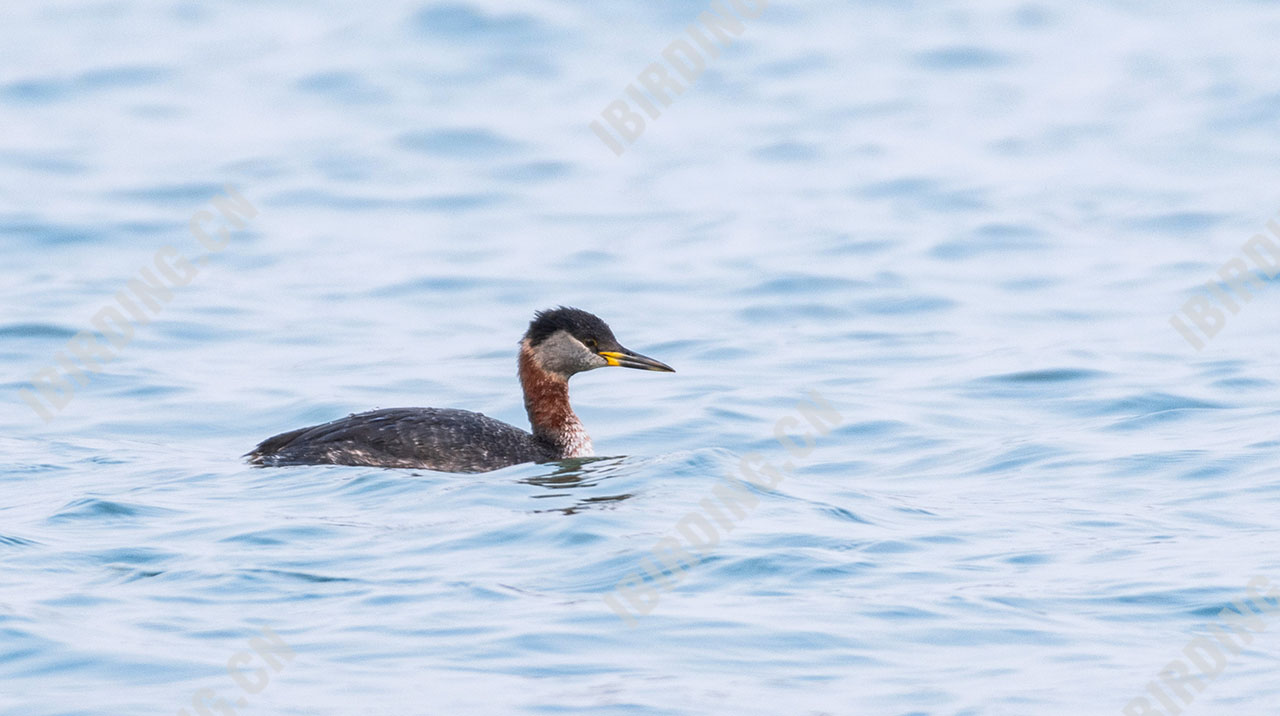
x=559, y=343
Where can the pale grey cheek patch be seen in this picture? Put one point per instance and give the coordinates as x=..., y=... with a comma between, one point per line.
x=562, y=353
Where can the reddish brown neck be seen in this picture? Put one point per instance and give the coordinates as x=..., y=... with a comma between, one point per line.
x=546, y=398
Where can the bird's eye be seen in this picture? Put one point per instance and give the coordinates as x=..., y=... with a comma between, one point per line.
x=591, y=343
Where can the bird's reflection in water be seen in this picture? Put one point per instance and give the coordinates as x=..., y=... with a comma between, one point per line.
x=578, y=473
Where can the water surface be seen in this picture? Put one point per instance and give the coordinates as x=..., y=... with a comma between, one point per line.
x=965, y=225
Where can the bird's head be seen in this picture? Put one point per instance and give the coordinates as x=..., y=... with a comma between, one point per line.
x=568, y=340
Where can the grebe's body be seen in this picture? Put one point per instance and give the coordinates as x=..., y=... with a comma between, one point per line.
x=558, y=344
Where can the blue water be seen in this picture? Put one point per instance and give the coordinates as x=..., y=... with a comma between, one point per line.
x=964, y=225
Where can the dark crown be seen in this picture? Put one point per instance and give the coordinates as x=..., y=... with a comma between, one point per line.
x=575, y=322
